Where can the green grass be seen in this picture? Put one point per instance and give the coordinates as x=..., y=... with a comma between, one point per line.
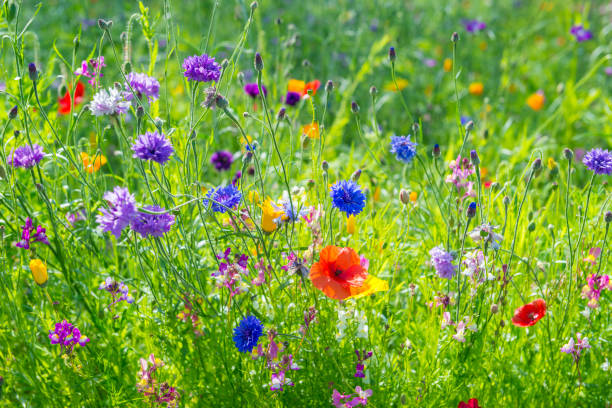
x=415, y=362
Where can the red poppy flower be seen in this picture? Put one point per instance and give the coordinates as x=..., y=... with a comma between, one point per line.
x=314, y=85
x=338, y=270
x=64, y=102
x=472, y=403
x=529, y=314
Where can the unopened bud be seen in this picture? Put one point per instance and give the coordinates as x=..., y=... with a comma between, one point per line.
x=240, y=77
x=32, y=71
x=254, y=6
x=355, y=176
x=329, y=86
x=506, y=201
x=281, y=114
x=392, y=55
x=325, y=165
x=436, y=150
x=494, y=308
x=221, y=102
x=105, y=24
x=258, y=62
x=404, y=196
x=224, y=63
x=471, y=211
x=608, y=217
x=310, y=183
x=469, y=126
x=373, y=91
x=531, y=226
x=140, y=112
x=474, y=158
x=13, y=112
x=354, y=107
x=569, y=155
x=454, y=37
x=537, y=164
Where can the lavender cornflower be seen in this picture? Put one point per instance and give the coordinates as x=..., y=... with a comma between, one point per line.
x=442, y=261
x=599, y=161
x=67, y=336
x=155, y=225
x=292, y=98
x=142, y=84
x=580, y=33
x=119, y=291
x=252, y=90
x=347, y=197
x=474, y=26
x=201, y=68
x=574, y=348
x=223, y=198
x=222, y=160
x=121, y=211
x=152, y=146
x=109, y=102
x=403, y=148
x=26, y=156
x=28, y=237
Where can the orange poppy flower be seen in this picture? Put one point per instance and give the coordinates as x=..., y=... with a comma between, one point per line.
x=301, y=87
x=99, y=161
x=64, y=102
x=476, y=88
x=529, y=314
x=536, y=100
x=338, y=270
x=311, y=130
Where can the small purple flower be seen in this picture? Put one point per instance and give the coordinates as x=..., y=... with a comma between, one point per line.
x=430, y=62
x=442, y=261
x=201, y=68
x=608, y=71
x=292, y=98
x=223, y=198
x=119, y=291
x=26, y=156
x=359, y=367
x=67, y=336
x=236, y=178
x=152, y=146
x=155, y=225
x=599, y=161
x=574, y=348
x=581, y=33
x=222, y=160
x=121, y=211
x=253, y=90
x=28, y=235
x=403, y=148
x=97, y=64
x=142, y=84
x=109, y=101
x=474, y=26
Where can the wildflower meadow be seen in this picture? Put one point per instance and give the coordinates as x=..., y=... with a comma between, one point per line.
x=281, y=203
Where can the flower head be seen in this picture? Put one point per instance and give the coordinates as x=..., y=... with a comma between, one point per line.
x=142, y=84
x=222, y=160
x=64, y=104
x=223, y=198
x=292, y=98
x=580, y=33
x=252, y=90
x=152, y=146
x=337, y=271
x=118, y=290
x=201, y=68
x=94, y=76
x=347, y=197
x=599, y=161
x=39, y=271
x=26, y=156
x=67, y=336
x=442, y=261
x=574, y=348
x=155, y=225
x=403, y=148
x=91, y=164
x=536, y=100
x=121, y=211
x=247, y=334
x=30, y=235
x=474, y=26
x=109, y=102
x=472, y=403
x=529, y=314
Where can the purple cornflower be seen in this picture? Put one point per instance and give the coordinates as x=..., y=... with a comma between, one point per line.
x=474, y=26
x=152, y=146
x=67, y=336
x=222, y=160
x=142, y=84
x=292, y=98
x=442, y=261
x=28, y=237
x=347, y=197
x=574, y=348
x=121, y=211
x=403, y=148
x=359, y=367
x=599, y=161
x=26, y=156
x=253, y=90
x=223, y=198
x=581, y=33
x=97, y=64
x=109, y=102
x=119, y=291
x=155, y=225
x=201, y=68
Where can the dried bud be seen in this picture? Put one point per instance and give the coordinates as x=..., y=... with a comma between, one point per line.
x=354, y=107
x=32, y=72
x=569, y=155
x=474, y=158
x=404, y=196
x=436, y=150
x=454, y=37
x=329, y=86
x=392, y=55
x=471, y=211
x=13, y=112
x=258, y=62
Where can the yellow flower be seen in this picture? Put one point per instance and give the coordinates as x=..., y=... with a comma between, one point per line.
x=311, y=130
x=482, y=45
x=371, y=285
x=401, y=84
x=178, y=90
x=350, y=224
x=295, y=85
x=413, y=196
x=376, y=195
x=448, y=65
x=254, y=196
x=269, y=213
x=99, y=160
x=476, y=88
x=552, y=164
x=536, y=101
x=39, y=271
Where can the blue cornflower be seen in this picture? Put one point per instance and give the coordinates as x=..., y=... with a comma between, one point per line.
x=403, y=148
x=599, y=161
x=247, y=334
x=348, y=197
x=222, y=198
x=155, y=225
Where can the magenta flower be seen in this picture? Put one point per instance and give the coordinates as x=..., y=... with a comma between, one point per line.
x=67, y=336
x=97, y=64
x=580, y=33
x=29, y=236
x=473, y=26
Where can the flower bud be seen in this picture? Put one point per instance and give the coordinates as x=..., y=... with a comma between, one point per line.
x=436, y=150
x=474, y=158
x=355, y=176
x=469, y=126
x=325, y=165
x=310, y=183
x=494, y=308
x=127, y=66
x=608, y=217
x=258, y=62
x=506, y=201
x=224, y=63
x=39, y=271
x=13, y=112
x=354, y=107
x=404, y=196
x=373, y=91
x=105, y=24
x=454, y=37
x=281, y=114
x=537, y=164
x=329, y=86
x=471, y=211
x=32, y=72
x=254, y=6
x=240, y=77
x=531, y=226
x=392, y=55
x=246, y=159
x=569, y=155
x=221, y=102
x=140, y=112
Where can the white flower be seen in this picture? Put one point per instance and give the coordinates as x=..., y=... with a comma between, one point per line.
x=108, y=102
